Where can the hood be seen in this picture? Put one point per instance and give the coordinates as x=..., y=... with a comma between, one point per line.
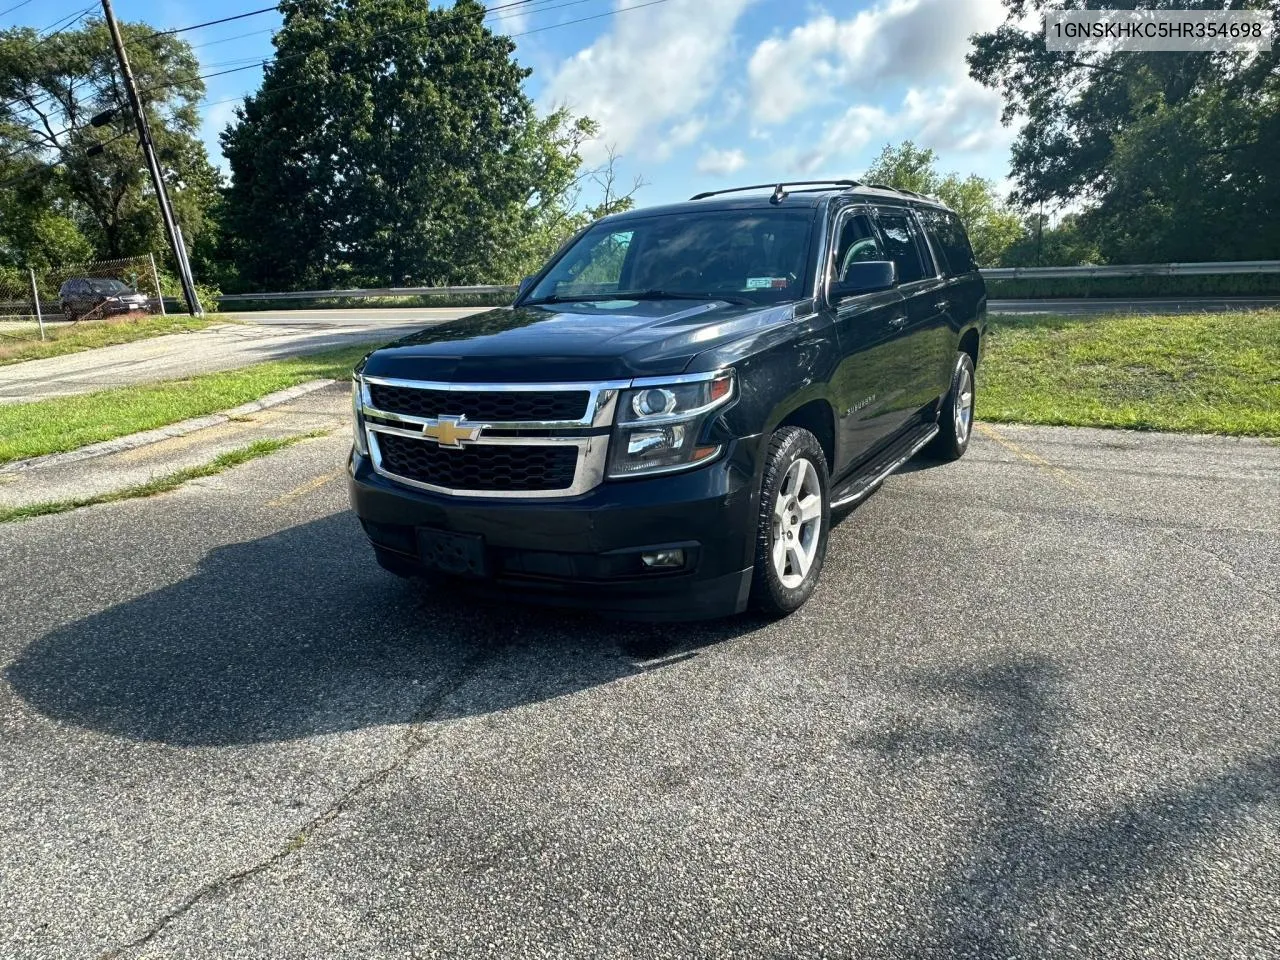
x=572, y=342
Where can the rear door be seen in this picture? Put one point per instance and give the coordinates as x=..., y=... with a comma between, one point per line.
x=868, y=389
x=923, y=289
x=966, y=294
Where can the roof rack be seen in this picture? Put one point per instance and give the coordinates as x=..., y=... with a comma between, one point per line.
x=779, y=189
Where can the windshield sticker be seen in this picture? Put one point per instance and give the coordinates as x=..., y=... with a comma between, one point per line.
x=766, y=283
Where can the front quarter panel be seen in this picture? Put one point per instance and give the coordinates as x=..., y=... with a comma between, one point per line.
x=778, y=371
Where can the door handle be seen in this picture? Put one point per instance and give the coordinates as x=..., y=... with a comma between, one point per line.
x=899, y=321
x=942, y=305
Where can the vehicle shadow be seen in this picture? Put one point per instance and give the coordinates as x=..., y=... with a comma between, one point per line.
x=299, y=633
x=1025, y=870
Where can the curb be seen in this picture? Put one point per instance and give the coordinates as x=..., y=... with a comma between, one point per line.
x=135, y=440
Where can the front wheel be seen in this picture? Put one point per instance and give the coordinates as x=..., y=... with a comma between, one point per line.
x=795, y=514
x=955, y=422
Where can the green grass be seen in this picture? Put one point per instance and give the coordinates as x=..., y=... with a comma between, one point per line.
x=20, y=342
x=1201, y=373
x=259, y=448
x=67, y=423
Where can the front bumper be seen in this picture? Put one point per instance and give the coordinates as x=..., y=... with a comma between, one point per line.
x=584, y=551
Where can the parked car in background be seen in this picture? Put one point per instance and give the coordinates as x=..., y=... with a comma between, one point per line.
x=82, y=297
x=663, y=423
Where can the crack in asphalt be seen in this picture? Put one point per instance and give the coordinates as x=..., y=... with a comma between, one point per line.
x=426, y=711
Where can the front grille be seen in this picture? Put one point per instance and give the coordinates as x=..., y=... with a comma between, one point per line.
x=482, y=467
x=504, y=406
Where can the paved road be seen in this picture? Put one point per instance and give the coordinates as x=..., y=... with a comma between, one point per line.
x=1031, y=710
x=220, y=347
x=353, y=315
x=275, y=334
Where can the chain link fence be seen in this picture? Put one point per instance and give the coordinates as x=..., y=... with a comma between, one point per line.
x=32, y=300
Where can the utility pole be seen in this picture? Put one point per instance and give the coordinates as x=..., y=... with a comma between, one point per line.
x=153, y=166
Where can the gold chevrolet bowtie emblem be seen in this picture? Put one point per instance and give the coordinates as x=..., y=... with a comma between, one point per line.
x=451, y=431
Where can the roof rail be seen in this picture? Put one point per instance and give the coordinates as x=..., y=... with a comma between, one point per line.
x=902, y=190
x=779, y=189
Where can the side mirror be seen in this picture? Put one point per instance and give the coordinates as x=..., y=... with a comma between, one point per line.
x=525, y=284
x=868, y=276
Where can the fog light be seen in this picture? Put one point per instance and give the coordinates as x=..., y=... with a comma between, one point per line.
x=662, y=559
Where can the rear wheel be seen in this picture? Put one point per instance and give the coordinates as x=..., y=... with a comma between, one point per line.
x=795, y=514
x=955, y=422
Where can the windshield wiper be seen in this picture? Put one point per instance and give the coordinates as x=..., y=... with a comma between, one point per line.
x=652, y=294
x=680, y=295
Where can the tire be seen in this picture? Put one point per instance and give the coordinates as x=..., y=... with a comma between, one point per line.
x=787, y=570
x=401, y=566
x=955, y=420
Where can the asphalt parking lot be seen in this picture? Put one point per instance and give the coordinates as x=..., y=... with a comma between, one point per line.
x=1031, y=711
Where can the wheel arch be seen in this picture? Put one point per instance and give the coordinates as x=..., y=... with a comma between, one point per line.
x=971, y=343
x=818, y=417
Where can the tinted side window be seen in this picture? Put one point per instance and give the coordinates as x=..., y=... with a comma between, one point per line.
x=952, y=241
x=857, y=243
x=900, y=241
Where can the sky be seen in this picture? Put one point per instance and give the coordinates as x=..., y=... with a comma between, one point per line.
x=695, y=94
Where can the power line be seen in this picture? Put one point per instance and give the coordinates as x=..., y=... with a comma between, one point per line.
x=238, y=36
x=488, y=15
x=64, y=23
x=209, y=23
x=598, y=16
x=48, y=33
x=5, y=13
x=57, y=163
x=374, y=36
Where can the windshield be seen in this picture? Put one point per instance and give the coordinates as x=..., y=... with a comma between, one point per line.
x=109, y=286
x=757, y=256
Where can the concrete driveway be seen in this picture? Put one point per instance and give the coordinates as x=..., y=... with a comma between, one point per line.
x=1030, y=711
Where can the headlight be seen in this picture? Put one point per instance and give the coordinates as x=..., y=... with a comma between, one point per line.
x=660, y=425
x=362, y=444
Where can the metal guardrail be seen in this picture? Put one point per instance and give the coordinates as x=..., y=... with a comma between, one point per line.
x=1133, y=270
x=990, y=273
x=368, y=293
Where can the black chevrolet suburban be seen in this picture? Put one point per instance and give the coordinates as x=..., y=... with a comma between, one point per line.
x=663, y=422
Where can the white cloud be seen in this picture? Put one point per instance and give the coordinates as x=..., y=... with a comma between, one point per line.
x=509, y=21
x=678, y=135
x=964, y=117
x=895, y=41
x=844, y=136
x=721, y=163
x=891, y=72
x=657, y=66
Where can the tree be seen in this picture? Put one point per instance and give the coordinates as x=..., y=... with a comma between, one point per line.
x=1042, y=243
x=1173, y=155
x=992, y=226
x=393, y=142
x=66, y=203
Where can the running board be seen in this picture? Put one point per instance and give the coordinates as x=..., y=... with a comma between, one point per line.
x=866, y=479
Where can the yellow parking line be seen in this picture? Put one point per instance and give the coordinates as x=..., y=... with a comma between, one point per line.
x=309, y=487
x=1043, y=464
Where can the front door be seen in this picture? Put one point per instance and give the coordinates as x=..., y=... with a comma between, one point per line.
x=870, y=386
x=928, y=323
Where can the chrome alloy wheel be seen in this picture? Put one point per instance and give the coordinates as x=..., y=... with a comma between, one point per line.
x=797, y=522
x=964, y=405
